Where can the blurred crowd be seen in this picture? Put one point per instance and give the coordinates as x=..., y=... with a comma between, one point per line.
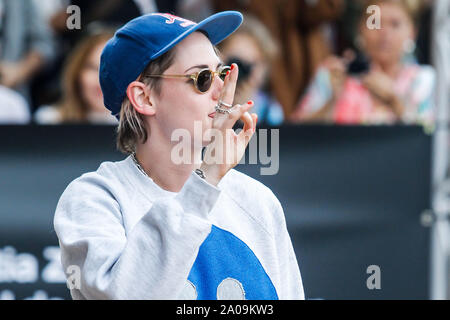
x=301, y=61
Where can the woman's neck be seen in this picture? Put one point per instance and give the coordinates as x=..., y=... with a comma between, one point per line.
x=392, y=69
x=155, y=157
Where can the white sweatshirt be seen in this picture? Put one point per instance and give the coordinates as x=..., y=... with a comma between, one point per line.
x=132, y=239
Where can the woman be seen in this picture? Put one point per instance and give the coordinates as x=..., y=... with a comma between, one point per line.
x=150, y=227
x=82, y=100
x=254, y=64
x=302, y=29
x=392, y=90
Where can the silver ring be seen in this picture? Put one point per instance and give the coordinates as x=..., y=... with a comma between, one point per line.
x=221, y=110
x=221, y=103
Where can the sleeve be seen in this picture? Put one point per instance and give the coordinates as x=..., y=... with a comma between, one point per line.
x=420, y=101
x=152, y=261
x=13, y=108
x=47, y=115
x=290, y=277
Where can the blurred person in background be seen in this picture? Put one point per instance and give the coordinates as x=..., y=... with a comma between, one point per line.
x=386, y=86
x=112, y=12
x=254, y=64
x=26, y=44
x=45, y=86
x=304, y=31
x=62, y=17
x=347, y=27
x=82, y=100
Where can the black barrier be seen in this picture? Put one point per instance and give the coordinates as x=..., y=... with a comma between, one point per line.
x=353, y=198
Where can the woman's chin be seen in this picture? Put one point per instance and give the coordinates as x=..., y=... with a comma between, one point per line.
x=385, y=58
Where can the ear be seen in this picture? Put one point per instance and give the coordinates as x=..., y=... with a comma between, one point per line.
x=140, y=97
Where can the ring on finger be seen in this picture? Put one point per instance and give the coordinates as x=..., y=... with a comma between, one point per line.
x=223, y=104
x=222, y=110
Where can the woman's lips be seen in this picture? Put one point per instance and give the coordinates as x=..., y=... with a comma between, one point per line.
x=212, y=114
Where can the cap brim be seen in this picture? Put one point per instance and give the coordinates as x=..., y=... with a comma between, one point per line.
x=218, y=27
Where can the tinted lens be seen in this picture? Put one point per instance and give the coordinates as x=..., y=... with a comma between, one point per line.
x=223, y=72
x=204, y=80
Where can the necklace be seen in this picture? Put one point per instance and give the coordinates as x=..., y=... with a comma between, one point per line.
x=136, y=162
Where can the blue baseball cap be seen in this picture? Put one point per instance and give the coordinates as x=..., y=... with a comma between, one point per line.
x=144, y=39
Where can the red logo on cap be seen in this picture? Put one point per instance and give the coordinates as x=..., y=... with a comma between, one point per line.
x=171, y=19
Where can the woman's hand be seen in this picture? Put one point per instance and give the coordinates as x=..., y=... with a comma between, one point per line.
x=227, y=148
x=338, y=73
x=11, y=74
x=381, y=86
x=337, y=70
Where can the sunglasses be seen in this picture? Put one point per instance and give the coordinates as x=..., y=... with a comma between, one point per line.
x=203, y=79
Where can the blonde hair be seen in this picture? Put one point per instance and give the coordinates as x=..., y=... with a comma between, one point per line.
x=132, y=129
x=72, y=106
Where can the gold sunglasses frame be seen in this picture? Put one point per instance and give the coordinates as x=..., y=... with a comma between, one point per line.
x=193, y=76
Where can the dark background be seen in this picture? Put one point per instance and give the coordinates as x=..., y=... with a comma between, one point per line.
x=352, y=196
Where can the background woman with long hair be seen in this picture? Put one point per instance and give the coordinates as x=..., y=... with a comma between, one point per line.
x=82, y=100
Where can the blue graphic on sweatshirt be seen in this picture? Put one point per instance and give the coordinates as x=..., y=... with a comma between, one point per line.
x=226, y=268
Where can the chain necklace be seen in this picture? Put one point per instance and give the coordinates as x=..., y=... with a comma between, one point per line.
x=136, y=162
